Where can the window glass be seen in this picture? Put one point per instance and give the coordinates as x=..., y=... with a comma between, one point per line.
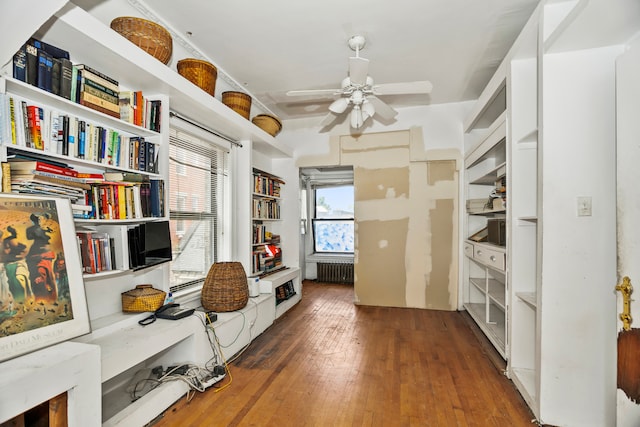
x=333, y=225
x=197, y=177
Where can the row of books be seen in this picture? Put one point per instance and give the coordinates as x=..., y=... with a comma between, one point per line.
x=25, y=124
x=97, y=251
x=49, y=68
x=266, y=209
x=285, y=291
x=266, y=185
x=98, y=196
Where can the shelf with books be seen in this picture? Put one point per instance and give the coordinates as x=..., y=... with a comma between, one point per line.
x=265, y=217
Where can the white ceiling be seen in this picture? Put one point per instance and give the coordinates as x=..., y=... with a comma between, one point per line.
x=280, y=45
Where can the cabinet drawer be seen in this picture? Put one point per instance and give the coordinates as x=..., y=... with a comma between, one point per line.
x=468, y=249
x=490, y=257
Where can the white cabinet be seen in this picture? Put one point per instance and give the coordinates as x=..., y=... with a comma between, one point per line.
x=559, y=263
x=485, y=278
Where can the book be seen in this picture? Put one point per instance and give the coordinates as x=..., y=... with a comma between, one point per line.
x=6, y=177
x=32, y=64
x=20, y=64
x=18, y=165
x=86, y=88
x=100, y=108
x=96, y=100
x=45, y=67
x=66, y=74
x=56, y=69
x=85, y=81
x=127, y=104
x=73, y=90
x=52, y=50
x=125, y=177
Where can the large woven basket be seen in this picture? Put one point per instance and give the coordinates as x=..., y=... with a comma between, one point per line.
x=201, y=73
x=238, y=102
x=142, y=298
x=147, y=35
x=225, y=287
x=267, y=123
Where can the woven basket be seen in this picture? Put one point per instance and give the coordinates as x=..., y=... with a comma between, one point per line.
x=267, y=123
x=201, y=73
x=238, y=102
x=225, y=288
x=142, y=298
x=147, y=35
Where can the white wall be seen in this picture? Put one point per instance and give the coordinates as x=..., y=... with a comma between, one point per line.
x=441, y=126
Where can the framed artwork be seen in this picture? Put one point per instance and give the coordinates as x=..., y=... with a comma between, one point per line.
x=42, y=298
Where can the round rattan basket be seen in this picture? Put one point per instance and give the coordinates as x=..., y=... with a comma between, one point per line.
x=238, y=102
x=143, y=298
x=201, y=73
x=225, y=287
x=267, y=123
x=147, y=35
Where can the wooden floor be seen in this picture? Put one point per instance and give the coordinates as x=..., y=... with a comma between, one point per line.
x=327, y=362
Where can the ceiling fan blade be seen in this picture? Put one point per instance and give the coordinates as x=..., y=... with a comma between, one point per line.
x=328, y=119
x=382, y=109
x=315, y=92
x=358, y=70
x=402, y=88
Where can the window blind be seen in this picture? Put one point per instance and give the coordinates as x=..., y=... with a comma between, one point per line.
x=198, y=170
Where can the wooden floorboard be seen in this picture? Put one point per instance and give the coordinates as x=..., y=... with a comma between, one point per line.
x=328, y=362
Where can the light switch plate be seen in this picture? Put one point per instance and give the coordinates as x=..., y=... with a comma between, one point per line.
x=584, y=206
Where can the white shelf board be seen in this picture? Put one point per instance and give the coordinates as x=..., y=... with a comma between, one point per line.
x=492, y=176
x=525, y=381
x=529, y=298
x=494, y=332
x=91, y=40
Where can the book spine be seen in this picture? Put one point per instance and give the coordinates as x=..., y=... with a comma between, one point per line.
x=142, y=149
x=82, y=139
x=45, y=65
x=65, y=135
x=56, y=71
x=12, y=112
x=98, y=73
x=32, y=64
x=151, y=157
x=100, y=109
x=95, y=100
x=100, y=94
x=6, y=177
x=73, y=90
x=66, y=74
x=88, y=82
x=20, y=64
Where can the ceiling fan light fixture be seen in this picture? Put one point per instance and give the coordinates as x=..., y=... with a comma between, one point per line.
x=368, y=110
x=339, y=105
x=356, y=117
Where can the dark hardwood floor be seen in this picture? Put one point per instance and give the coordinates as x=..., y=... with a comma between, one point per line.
x=328, y=362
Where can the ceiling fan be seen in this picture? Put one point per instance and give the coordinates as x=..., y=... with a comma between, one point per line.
x=358, y=91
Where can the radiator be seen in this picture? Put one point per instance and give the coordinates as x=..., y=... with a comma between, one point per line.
x=335, y=272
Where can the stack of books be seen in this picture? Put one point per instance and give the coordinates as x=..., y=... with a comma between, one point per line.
x=96, y=90
x=49, y=179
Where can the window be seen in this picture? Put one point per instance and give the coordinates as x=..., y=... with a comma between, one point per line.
x=197, y=173
x=333, y=219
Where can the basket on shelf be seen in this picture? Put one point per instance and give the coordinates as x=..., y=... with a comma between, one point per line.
x=267, y=123
x=142, y=298
x=201, y=73
x=225, y=287
x=147, y=35
x=238, y=102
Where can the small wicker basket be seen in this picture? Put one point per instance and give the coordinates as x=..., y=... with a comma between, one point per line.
x=147, y=35
x=267, y=123
x=238, y=102
x=225, y=287
x=142, y=298
x=201, y=73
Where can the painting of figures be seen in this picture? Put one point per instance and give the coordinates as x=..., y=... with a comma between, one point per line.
x=41, y=294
